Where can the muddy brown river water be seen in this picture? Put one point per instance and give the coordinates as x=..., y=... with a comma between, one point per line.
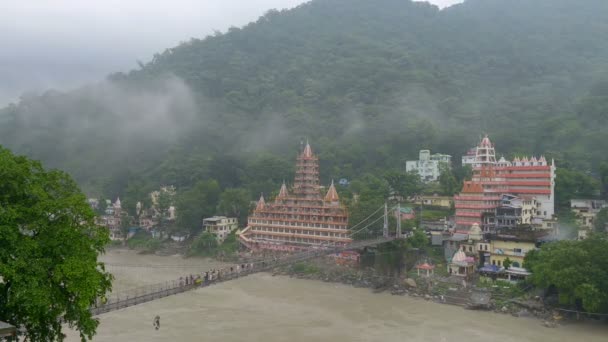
x=271, y=309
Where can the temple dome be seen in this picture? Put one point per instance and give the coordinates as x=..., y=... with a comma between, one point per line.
x=459, y=256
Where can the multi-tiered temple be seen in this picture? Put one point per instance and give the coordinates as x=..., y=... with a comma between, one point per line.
x=300, y=219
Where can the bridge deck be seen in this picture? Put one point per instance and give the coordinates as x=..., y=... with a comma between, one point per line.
x=169, y=289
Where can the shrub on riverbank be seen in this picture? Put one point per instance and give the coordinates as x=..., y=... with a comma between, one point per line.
x=143, y=242
x=304, y=268
x=206, y=245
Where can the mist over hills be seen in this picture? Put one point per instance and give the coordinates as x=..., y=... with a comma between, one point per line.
x=369, y=83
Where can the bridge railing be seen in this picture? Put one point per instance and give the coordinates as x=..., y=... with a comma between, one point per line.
x=142, y=294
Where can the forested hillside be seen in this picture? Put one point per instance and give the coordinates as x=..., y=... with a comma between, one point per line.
x=368, y=82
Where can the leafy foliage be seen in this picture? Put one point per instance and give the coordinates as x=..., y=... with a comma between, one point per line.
x=448, y=182
x=197, y=203
x=235, y=203
x=578, y=269
x=573, y=184
x=49, y=246
x=601, y=220
x=205, y=245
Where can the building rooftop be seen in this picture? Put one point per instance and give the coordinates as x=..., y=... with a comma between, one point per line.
x=458, y=237
x=215, y=218
x=425, y=266
x=7, y=329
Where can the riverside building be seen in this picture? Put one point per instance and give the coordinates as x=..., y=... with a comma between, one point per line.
x=301, y=218
x=525, y=180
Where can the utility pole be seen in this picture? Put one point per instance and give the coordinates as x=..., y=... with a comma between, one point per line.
x=385, y=227
x=398, y=219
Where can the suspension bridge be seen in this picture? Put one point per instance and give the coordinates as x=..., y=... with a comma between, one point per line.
x=364, y=234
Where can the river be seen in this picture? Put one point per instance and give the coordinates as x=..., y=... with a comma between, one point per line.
x=266, y=308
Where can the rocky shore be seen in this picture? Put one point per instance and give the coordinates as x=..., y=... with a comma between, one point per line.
x=437, y=289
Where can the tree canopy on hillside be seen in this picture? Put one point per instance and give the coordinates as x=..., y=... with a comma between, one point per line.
x=368, y=82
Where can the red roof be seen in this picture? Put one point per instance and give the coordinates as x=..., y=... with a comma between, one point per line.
x=425, y=266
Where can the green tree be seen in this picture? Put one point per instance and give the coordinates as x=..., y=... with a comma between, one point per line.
x=604, y=179
x=447, y=180
x=404, y=184
x=49, y=246
x=372, y=193
x=165, y=200
x=389, y=257
x=418, y=239
x=196, y=203
x=507, y=263
x=235, y=203
x=205, y=245
x=135, y=192
x=101, y=207
x=577, y=269
x=571, y=184
x=601, y=220
x=125, y=224
x=462, y=173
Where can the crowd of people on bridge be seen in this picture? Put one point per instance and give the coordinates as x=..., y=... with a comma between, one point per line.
x=202, y=279
x=217, y=275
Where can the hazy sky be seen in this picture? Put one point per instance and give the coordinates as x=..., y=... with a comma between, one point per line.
x=64, y=43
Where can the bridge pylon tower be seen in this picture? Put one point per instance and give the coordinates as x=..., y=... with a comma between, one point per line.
x=385, y=226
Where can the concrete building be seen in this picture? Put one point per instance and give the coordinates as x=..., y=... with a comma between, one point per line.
x=586, y=210
x=112, y=219
x=514, y=211
x=444, y=202
x=428, y=166
x=220, y=226
x=530, y=179
x=469, y=158
x=492, y=249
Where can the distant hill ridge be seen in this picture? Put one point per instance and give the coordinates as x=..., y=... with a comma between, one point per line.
x=369, y=82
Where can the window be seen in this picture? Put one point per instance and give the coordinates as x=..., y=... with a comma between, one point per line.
x=499, y=263
x=517, y=250
x=493, y=262
x=470, y=249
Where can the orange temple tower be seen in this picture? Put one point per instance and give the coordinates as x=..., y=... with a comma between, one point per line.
x=300, y=220
x=527, y=178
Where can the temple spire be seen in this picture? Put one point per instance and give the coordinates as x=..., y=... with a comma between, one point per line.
x=485, y=153
x=332, y=194
x=261, y=203
x=283, y=192
x=307, y=150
